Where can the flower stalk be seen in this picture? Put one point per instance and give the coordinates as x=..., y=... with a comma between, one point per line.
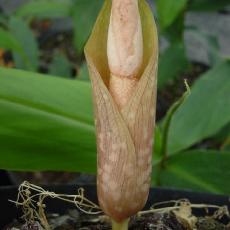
x=122, y=62
x=120, y=226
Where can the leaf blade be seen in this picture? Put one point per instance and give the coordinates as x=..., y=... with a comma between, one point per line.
x=27, y=41
x=168, y=64
x=201, y=170
x=44, y=9
x=47, y=120
x=8, y=41
x=205, y=112
x=169, y=10
x=84, y=15
x=207, y=5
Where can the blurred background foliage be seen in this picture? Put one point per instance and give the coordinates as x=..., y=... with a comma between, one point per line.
x=46, y=122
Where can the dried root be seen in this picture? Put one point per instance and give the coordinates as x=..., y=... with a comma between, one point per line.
x=182, y=209
x=31, y=199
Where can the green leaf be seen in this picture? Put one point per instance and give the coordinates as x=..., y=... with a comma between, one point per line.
x=226, y=144
x=8, y=41
x=205, y=112
x=172, y=63
x=20, y=30
x=45, y=9
x=161, y=138
x=223, y=133
x=157, y=143
x=84, y=15
x=3, y=20
x=167, y=122
x=46, y=123
x=169, y=10
x=60, y=66
x=207, y=5
x=175, y=32
x=198, y=170
x=223, y=137
x=83, y=73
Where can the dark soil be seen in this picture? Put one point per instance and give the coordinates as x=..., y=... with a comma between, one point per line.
x=157, y=221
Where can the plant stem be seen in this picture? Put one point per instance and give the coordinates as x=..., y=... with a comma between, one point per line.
x=120, y=226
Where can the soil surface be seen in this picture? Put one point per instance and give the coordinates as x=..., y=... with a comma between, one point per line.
x=73, y=220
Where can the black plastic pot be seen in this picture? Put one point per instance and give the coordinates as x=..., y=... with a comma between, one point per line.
x=10, y=212
x=5, y=179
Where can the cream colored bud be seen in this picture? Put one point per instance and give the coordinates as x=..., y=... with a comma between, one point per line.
x=124, y=49
x=121, y=89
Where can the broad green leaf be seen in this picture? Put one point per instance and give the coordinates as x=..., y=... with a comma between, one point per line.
x=83, y=73
x=223, y=133
x=45, y=9
x=201, y=170
x=157, y=143
x=7, y=41
x=20, y=30
x=172, y=63
x=205, y=112
x=46, y=123
x=169, y=10
x=207, y=5
x=60, y=66
x=84, y=14
x=223, y=137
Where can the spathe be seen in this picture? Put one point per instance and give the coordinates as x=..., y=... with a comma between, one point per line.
x=124, y=138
